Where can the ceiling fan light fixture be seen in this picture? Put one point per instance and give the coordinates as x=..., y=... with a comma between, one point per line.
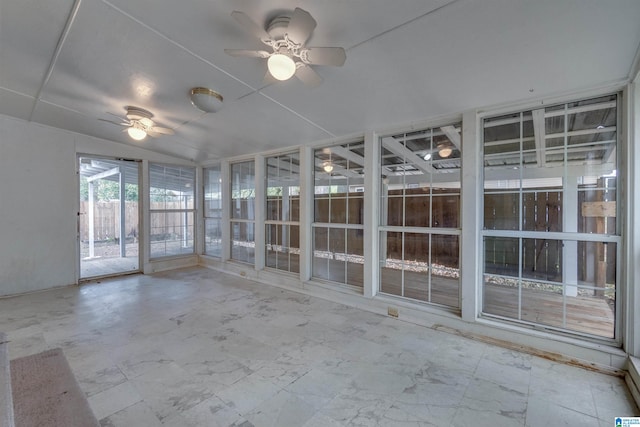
x=136, y=133
x=205, y=99
x=281, y=66
x=444, y=151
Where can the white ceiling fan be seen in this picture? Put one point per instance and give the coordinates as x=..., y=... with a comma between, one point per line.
x=138, y=124
x=287, y=37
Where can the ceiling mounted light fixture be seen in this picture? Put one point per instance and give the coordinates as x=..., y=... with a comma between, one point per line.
x=138, y=124
x=281, y=66
x=205, y=99
x=136, y=133
x=287, y=55
x=444, y=151
x=327, y=166
x=427, y=156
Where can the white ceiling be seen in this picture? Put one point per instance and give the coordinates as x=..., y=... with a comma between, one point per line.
x=407, y=60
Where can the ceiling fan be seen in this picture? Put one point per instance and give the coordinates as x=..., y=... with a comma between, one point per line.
x=138, y=124
x=287, y=37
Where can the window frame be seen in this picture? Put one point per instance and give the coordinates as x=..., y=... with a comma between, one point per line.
x=250, y=221
x=398, y=148
x=562, y=236
x=190, y=212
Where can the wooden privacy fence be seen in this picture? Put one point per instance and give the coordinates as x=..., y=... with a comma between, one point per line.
x=106, y=220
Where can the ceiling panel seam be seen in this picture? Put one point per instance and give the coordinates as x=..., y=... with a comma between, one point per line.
x=175, y=43
x=432, y=11
x=56, y=54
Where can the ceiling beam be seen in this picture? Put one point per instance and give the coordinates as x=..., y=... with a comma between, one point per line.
x=400, y=150
x=105, y=174
x=348, y=154
x=453, y=134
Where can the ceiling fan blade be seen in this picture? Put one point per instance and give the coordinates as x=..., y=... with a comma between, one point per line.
x=115, y=123
x=249, y=53
x=160, y=130
x=308, y=76
x=250, y=26
x=301, y=26
x=324, y=55
x=269, y=79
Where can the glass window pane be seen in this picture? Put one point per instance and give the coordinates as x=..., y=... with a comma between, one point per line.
x=321, y=252
x=597, y=208
x=501, y=256
x=420, y=188
x=242, y=242
x=500, y=296
x=542, y=210
x=283, y=186
x=212, y=192
x=391, y=263
x=171, y=233
x=171, y=187
x=501, y=211
x=339, y=183
x=416, y=208
x=243, y=190
x=445, y=209
x=445, y=270
x=213, y=237
x=355, y=257
x=542, y=259
x=394, y=209
x=171, y=203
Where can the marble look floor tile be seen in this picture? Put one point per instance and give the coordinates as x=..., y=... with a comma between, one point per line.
x=494, y=400
x=575, y=394
x=142, y=360
x=319, y=386
x=282, y=409
x=282, y=374
x=418, y=413
x=613, y=400
x=210, y=369
x=139, y=414
x=212, y=412
x=438, y=389
x=473, y=417
x=114, y=400
x=248, y=393
x=506, y=369
x=358, y=409
x=383, y=380
x=542, y=413
x=169, y=389
x=322, y=420
x=195, y=347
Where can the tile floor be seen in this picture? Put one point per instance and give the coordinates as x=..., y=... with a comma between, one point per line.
x=196, y=347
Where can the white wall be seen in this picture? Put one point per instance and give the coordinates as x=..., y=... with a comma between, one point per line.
x=39, y=202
